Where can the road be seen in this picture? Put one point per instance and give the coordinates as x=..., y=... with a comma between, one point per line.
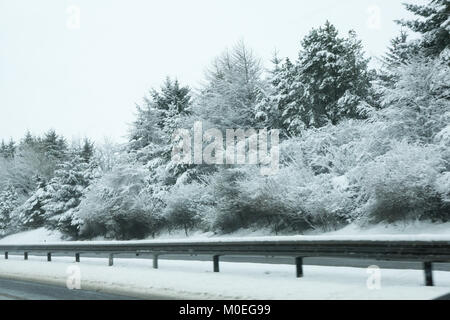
x=26, y=290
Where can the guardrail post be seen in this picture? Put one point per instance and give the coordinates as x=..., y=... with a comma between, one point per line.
x=155, y=261
x=111, y=260
x=6, y=255
x=25, y=256
x=49, y=256
x=428, y=268
x=299, y=266
x=216, y=263
x=77, y=257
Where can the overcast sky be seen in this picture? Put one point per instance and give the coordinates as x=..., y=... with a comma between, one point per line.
x=86, y=81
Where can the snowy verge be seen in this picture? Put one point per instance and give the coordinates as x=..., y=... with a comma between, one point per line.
x=399, y=231
x=194, y=279
x=33, y=236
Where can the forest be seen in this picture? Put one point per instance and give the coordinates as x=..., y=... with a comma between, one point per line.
x=358, y=145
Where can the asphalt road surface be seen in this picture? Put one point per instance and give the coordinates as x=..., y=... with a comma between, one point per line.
x=26, y=290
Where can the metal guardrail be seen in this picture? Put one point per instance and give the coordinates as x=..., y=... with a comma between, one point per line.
x=426, y=252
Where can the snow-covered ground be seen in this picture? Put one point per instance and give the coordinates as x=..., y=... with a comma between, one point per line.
x=408, y=231
x=33, y=236
x=195, y=279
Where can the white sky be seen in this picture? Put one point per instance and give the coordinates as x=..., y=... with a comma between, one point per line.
x=86, y=81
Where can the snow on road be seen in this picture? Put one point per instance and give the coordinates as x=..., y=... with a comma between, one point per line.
x=195, y=279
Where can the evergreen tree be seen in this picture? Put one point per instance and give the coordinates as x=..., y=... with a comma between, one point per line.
x=335, y=74
x=9, y=200
x=278, y=108
x=54, y=146
x=29, y=142
x=65, y=192
x=87, y=150
x=433, y=24
x=30, y=215
x=160, y=115
x=8, y=150
x=3, y=149
x=330, y=81
x=400, y=50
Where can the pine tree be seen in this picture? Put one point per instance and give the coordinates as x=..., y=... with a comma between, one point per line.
x=54, y=146
x=30, y=215
x=400, y=50
x=329, y=82
x=160, y=115
x=66, y=190
x=333, y=68
x=3, y=150
x=8, y=150
x=9, y=200
x=278, y=108
x=29, y=141
x=433, y=24
x=87, y=150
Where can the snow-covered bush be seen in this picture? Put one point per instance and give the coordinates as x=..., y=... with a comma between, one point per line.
x=245, y=199
x=400, y=185
x=119, y=205
x=188, y=206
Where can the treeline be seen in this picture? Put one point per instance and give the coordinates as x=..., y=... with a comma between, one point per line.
x=358, y=146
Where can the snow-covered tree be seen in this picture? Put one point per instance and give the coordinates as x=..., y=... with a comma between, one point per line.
x=278, y=106
x=9, y=200
x=54, y=146
x=400, y=50
x=8, y=150
x=336, y=75
x=233, y=85
x=66, y=190
x=417, y=105
x=160, y=115
x=30, y=215
x=330, y=81
x=433, y=23
x=87, y=150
